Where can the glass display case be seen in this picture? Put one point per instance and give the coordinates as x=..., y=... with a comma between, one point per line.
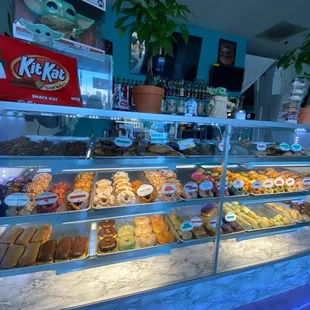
x=136, y=185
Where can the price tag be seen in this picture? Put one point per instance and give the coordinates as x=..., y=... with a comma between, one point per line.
x=268, y=184
x=279, y=182
x=213, y=222
x=187, y=226
x=168, y=189
x=230, y=217
x=306, y=181
x=123, y=142
x=238, y=184
x=261, y=146
x=158, y=137
x=145, y=190
x=221, y=146
x=17, y=200
x=196, y=221
x=296, y=147
x=46, y=199
x=284, y=147
x=290, y=182
x=186, y=144
x=100, y=4
x=190, y=187
x=218, y=186
x=257, y=185
x=206, y=185
x=77, y=196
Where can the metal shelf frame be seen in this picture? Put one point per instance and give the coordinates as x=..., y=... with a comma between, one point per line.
x=67, y=165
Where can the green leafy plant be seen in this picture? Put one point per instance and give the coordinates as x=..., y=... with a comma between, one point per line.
x=154, y=21
x=298, y=56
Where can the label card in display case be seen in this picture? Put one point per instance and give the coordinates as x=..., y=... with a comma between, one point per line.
x=285, y=147
x=78, y=196
x=196, y=221
x=17, y=200
x=218, y=186
x=296, y=147
x=238, y=184
x=168, y=189
x=306, y=181
x=206, y=185
x=46, y=198
x=279, y=182
x=221, y=146
x=268, y=184
x=230, y=217
x=145, y=190
x=186, y=144
x=123, y=142
x=190, y=187
x=261, y=146
x=187, y=226
x=290, y=182
x=257, y=185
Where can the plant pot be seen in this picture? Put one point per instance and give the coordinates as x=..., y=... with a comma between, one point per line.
x=304, y=116
x=148, y=98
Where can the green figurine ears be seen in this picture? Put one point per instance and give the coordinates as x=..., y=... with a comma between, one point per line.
x=59, y=8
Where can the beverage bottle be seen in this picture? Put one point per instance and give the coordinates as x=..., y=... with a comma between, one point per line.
x=140, y=83
x=196, y=91
x=178, y=87
x=203, y=92
x=182, y=89
x=174, y=88
x=189, y=90
x=169, y=88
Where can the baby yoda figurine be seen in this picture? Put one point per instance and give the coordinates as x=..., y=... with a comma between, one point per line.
x=60, y=16
x=219, y=102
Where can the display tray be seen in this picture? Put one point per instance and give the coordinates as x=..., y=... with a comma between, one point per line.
x=30, y=208
x=136, y=151
x=58, y=232
x=263, y=210
x=54, y=140
x=130, y=220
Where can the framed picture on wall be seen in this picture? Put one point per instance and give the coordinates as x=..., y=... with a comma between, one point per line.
x=227, y=53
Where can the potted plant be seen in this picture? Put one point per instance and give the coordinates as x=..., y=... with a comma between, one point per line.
x=154, y=22
x=299, y=57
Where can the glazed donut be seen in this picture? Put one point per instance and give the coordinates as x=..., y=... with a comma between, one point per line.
x=126, y=243
x=106, y=223
x=149, y=198
x=107, y=232
x=165, y=237
x=147, y=241
x=156, y=218
x=120, y=180
x=123, y=189
x=126, y=198
x=123, y=184
x=103, y=183
x=159, y=227
x=142, y=220
x=102, y=201
x=120, y=175
x=126, y=230
x=143, y=230
x=104, y=190
x=107, y=245
x=192, y=195
x=206, y=194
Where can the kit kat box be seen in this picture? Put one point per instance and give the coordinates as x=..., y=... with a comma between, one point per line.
x=32, y=74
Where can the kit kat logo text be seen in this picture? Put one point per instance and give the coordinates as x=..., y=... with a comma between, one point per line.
x=45, y=73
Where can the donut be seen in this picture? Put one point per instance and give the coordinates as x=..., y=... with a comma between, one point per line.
x=206, y=194
x=159, y=227
x=143, y=230
x=165, y=237
x=126, y=243
x=75, y=206
x=121, y=180
x=107, y=232
x=123, y=189
x=106, y=223
x=106, y=190
x=147, y=241
x=192, y=195
x=103, y=183
x=126, y=198
x=156, y=218
x=169, y=197
x=168, y=174
x=149, y=198
x=142, y=220
x=126, y=230
x=107, y=245
x=136, y=185
x=103, y=201
x=186, y=235
x=120, y=175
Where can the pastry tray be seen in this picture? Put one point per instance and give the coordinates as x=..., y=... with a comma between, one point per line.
x=68, y=178
x=265, y=211
x=54, y=139
x=130, y=220
x=94, y=156
x=58, y=232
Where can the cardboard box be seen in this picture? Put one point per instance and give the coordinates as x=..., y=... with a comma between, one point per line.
x=63, y=25
x=32, y=74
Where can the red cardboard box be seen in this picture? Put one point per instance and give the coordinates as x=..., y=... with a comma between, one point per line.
x=32, y=74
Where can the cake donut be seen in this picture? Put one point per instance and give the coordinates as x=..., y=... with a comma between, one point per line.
x=103, y=183
x=102, y=201
x=160, y=226
x=126, y=230
x=126, y=243
x=136, y=185
x=147, y=241
x=165, y=237
x=107, y=245
x=126, y=198
x=143, y=230
x=156, y=218
x=142, y=220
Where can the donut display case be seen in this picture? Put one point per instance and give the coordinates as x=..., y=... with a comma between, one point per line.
x=120, y=195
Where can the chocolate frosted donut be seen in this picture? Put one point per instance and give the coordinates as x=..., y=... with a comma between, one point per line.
x=107, y=245
x=106, y=223
x=107, y=232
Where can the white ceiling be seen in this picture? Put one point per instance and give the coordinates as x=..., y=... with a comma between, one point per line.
x=248, y=18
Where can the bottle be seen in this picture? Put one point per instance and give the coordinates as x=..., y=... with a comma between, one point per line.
x=204, y=92
x=178, y=87
x=169, y=89
x=182, y=89
x=140, y=83
x=136, y=83
x=124, y=82
x=174, y=89
x=199, y=91
x=196, y=91
x=189, y=90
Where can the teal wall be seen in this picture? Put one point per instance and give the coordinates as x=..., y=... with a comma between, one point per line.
x=208, y=54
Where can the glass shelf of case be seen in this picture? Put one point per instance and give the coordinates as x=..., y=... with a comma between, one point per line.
x=16, y=109
x=180, y=98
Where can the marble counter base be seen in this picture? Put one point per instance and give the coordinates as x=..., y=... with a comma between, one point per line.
x=47, y=291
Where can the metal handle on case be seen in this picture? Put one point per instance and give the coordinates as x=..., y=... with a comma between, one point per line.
x=266, y=234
